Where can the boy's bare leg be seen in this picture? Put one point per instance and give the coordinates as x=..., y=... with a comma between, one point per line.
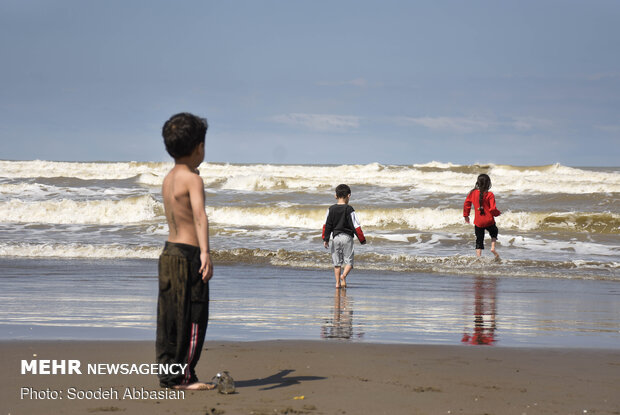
x=196, y=386
x=337, y=275
x=478, y=252
x=343, y=277
x=493, y=248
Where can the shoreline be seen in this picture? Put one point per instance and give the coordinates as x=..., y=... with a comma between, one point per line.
x=333, y=377
x=117, y=300
x=141, y=341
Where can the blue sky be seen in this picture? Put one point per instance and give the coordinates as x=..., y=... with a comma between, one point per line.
x=394, y=82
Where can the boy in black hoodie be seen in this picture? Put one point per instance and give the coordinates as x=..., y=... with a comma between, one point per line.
x=343, y=223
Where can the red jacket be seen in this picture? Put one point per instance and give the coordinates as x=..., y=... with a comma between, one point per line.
x=488, y=203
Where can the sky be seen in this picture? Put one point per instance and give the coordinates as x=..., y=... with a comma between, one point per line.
x=314, y=82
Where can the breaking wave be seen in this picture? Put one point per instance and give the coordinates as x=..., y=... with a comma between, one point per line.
x=76, y=250
x=430, y=177
x=101, y=212
x=84, y=171
x=145, y=208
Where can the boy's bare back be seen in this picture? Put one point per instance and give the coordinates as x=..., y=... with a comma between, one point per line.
x=183, y=194
x=181, y=187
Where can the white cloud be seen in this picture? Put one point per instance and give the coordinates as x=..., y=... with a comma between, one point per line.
x=467, y=125
x=609, y=128
x=460, y=125
x=319, y=122
x=527, y=123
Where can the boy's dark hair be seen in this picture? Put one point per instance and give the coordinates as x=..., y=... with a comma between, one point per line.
x=342, y=191
x=182, y=133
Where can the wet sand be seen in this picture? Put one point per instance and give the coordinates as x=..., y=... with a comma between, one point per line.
x=333, y=377
x=57, y=299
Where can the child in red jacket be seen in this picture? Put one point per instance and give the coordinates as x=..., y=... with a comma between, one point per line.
x=484, y=205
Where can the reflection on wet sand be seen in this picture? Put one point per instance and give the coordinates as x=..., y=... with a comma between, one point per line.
x=485, y=310
x=341, y=325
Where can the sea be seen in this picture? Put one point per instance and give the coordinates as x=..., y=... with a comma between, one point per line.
x=68, y=224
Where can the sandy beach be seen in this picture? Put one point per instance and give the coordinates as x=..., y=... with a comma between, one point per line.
x=319, y=377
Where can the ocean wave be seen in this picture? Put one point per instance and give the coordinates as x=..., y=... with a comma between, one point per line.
x=139, y=209
x=431, y=177
x=101, y=212
x=422, y=219
x=80, y=170
x=39, y=191
x=605, y=223
x=558, y=246
x=437, y=165
x=453, y=265
x=27, y=189
x=77, y=250
x=456, y=264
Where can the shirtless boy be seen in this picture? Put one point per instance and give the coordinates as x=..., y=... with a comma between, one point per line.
x=185, y=266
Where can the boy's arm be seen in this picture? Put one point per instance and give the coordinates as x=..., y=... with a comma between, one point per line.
x=492, y=208
x=358, y=228
x=201, y=224
x=327, y=231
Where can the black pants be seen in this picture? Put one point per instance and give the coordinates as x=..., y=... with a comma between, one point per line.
x=182, y=311
x=480, y=235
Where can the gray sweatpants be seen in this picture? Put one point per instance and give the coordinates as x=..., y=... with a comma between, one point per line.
x=342, y=250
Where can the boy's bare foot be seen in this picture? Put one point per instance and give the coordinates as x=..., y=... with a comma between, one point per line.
x=495, y=253
x=196, y=386
x=337, y=285
x=343, y=282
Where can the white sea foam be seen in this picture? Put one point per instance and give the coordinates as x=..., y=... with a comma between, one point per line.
x=38, y=191
x=75, y=250
x=84, y=171
x=27, y=190
x=156, y=177
x=449, y=179
x=455, y=264
x=559, y=246
x=262, y=182
x=398, y=237
x=314, y=178
x=102, y=212
x=145, y=209
x=430, y=177
x=314, y=218
x=605, y=222
x=267, y=217
x=554, y=179
x=423, y=219
x=437, y=165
